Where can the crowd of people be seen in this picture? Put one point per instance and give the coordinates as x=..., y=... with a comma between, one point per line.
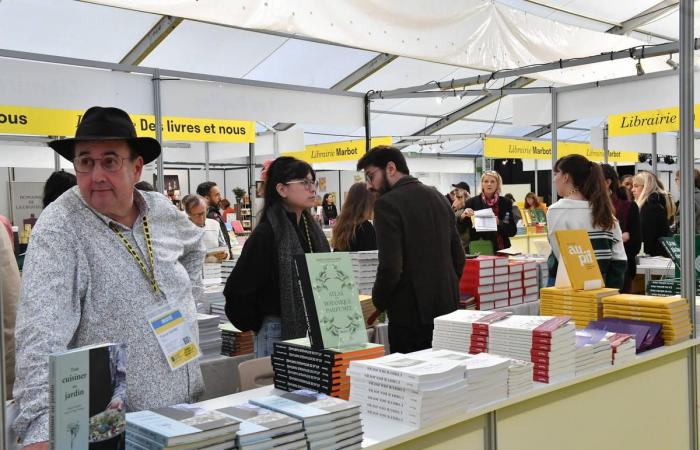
x=107, y=251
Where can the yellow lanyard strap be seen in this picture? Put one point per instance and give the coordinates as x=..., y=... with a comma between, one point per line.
x=151, y=276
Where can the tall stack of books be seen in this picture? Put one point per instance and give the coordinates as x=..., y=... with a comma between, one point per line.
x=548, y=342
x=209, y=335
x=464, y=330
x=672, y=313
x=297, y=366
x=486, y=279
x=218, y=308
x=211, y=274
x=235, y=342
x=263, y=429
x=212, y=294
x=329, y=423
x=520, y=375
x=364, y=266
x=593, y=350
x=582, y=306
x=523, y=284
x=227, y=267
x=409, y=389
x=180, y=426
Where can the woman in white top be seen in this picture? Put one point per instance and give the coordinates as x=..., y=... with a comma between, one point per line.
x=586, y=205
x=196, y=210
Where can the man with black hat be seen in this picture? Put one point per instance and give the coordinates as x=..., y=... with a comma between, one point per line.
x=104, y=260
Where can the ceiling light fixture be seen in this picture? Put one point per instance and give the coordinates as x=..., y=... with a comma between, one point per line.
x=671, y=63
x=640, y=69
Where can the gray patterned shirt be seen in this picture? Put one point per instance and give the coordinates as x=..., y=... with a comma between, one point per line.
x=81, y=286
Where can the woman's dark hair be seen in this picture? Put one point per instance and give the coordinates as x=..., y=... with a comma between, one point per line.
x=382, y=155
x=588, y=178
x=358, y=206
x=58, y=183
x=283, y=170
x=325, y=199
x=609, y=173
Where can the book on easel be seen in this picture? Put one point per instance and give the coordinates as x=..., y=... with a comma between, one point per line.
x=578, y=266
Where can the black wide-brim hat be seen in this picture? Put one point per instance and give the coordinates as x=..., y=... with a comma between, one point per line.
x=107, y=124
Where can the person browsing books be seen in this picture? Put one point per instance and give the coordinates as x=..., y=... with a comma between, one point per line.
x=420, y=253
x=262, y=293
x=196, y=210
x=586, y=205
x=655, y=208
x=210, y=192
x=102, y=258
x=502, y=208
x=353, y=232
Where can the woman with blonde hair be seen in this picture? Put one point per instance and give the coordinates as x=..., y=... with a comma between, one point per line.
x=353, y=231
x=655, y=210
x=490, y=197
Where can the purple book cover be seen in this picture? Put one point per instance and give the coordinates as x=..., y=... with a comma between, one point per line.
x=647, y=335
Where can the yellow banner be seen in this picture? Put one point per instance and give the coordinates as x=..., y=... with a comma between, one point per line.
x=63, y=122
x=645, y=122
x=526, y=149
x=337, y=151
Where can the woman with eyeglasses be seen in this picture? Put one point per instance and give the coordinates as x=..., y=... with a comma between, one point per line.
x=502, y=208
x=261, y=293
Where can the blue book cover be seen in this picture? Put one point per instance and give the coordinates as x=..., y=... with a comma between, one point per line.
x=87, y=396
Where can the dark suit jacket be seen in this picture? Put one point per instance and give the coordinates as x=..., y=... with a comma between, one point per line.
x=420, y=254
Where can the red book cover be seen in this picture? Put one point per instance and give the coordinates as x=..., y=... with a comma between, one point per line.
x=480, y=339
x=553, y=324
x=483, y=323
x=542, y=342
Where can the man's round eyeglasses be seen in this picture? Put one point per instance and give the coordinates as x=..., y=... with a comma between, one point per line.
x=308, y=184
x=110, y=163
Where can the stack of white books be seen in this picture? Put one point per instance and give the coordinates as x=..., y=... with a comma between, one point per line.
x=329, y=422
x=227, y=267
x=520, y=375
x=410, y=389
x=218, y=308
x=180, y=426
x=624, y=347
x=364, y=267
x=464, y=330
x=593, y=350
x=211, y=294
x=547, y=341
x=209, y=335
x=211, y=274
x=263, y=429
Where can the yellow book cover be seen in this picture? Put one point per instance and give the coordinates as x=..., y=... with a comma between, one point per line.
x=673, y=324
x=670, y=314
x=569, y=292
x=578, y=258
x=645, y=300
x=584, y=303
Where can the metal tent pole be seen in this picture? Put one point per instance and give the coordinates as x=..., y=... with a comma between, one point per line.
x=3, y=369
x=206, y=161
x=687, y=204
x=159, y=129
x=537, y=190
x=606, y=148
x=654, y=154
x=56, y=162
x=251, y=184
x=554, y=142
x=368, y=125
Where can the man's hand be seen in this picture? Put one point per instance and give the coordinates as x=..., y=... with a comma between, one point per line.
x=37, y=446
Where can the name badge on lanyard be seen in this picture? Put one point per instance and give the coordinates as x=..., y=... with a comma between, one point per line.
x=174, y=335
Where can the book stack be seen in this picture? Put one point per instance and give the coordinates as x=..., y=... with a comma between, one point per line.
x=672, y=313
x=593, y=350
x=209, y=335
x=218, y=308
x=367, y=307
x=297, y=366
x=263, y=429
x=329, y=423
x=235, y=342
x=212, y=294
x=180, y=426
x=623, y=347
x=409, y=389
x=464, y=330
x=486, y=279
x=467, y=301
x=582, y=306
x=227, y=267
x=520, y=374
x=211, y=274
x=523, y=283
x=548, y=342
x=364, y=267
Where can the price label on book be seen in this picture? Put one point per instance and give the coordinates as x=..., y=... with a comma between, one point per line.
x=175, y=337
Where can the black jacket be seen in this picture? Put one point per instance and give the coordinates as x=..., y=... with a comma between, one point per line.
x=329, y=212
x=365, y=238
x=627, y=213
x=506, y=227
x=420, y=254
x=654, y=219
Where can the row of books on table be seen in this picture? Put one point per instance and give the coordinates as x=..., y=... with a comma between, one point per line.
x=495, y=282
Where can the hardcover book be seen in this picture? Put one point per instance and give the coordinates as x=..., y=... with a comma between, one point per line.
x=579, y=261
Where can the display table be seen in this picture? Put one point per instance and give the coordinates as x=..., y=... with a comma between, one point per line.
x=525, y=243
x=655, y=265
x=641, y=405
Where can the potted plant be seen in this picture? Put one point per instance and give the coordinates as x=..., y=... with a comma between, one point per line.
x=239, y=193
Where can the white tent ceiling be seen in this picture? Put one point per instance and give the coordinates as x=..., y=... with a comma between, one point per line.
x=293, y=55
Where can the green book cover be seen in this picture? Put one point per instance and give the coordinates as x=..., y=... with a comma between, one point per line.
x=331, y=300
x=87, y=396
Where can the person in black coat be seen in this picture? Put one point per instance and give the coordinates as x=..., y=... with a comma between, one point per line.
x=353, y=231
x=491, y=183
x=654, y=205
x=420, y=253
x=330, y=212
